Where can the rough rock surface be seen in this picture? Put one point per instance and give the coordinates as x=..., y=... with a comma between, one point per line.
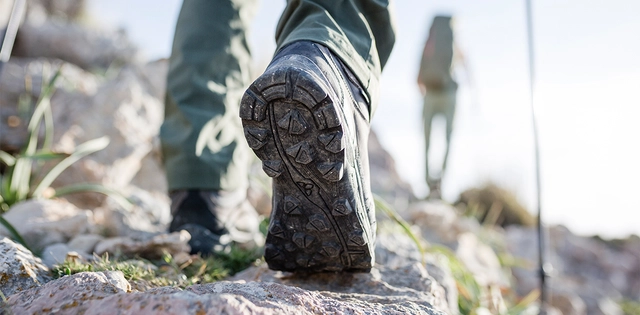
x=106, y=293
x=19, y=269
x=70, y=295
x=383, y=285
x=584, y=268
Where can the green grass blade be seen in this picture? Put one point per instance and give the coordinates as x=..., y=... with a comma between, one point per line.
x=7, y=158
x=46, y=155
x=98, y=188
x=20, y=178
x=393, y=215
x=13, y=232
x=43, y=105
x=6, y=193
x=81, y=151
x=48, y=129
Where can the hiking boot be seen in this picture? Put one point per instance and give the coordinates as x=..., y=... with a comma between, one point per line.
x=435, y=192
x=307, y=119
x=215, y=220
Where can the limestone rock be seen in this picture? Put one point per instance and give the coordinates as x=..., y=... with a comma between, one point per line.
x=148, y=212
x=121, y=109
x=57, y=253
x=591, y=269
x=568, y=304
x=23, y=79
x=410, y=284
x=19, y=269
x=45, y=222
x=93, y=293
x=75, y=294
x=85, y=242
x=77, y=44
x=153, y=247
x=395, y=250
x=480, y=260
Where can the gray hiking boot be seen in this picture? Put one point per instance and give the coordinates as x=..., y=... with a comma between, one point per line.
x=215, y=220
x=306, y=118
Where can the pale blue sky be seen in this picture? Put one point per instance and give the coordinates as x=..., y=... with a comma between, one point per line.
x=586, y=98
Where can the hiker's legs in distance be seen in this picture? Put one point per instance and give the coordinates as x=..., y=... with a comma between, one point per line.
x=428, y=113
x=205, y=157
x=307, y=119
x=449, y=113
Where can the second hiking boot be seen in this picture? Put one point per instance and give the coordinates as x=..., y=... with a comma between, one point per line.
x=306, y=118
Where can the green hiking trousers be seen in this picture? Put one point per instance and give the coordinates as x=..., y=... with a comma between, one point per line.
x=437, y=102
x=202, y=142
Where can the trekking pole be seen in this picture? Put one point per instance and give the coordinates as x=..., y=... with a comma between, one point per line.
x=10, y=33
x=544, y=267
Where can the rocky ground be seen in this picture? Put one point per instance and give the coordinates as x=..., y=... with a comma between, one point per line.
x=106, y=89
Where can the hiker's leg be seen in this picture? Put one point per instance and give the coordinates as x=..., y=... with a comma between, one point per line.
x=307, y=119
x=208, y=71
x=359, y=32
x=450, y=109
x=427, y=119
x=205, y=157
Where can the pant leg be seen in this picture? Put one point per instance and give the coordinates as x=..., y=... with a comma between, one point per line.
x=428, y=112
x=360, y=32
x=450, y=110
x=201, y=135
x=439, y=102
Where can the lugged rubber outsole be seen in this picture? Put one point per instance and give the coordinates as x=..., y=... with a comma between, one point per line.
x=293, y=124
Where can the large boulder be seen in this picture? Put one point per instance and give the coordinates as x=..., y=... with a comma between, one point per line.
x=19, y=269
x=48, y=32
x=106, y=293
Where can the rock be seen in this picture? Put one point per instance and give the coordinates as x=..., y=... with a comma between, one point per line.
x=593, y=270
x=436, y=220
x=93, y=294
x=73, y=294
x=66, y=9
x=151, y=176
x=19, y=269
x=409, y=284
x=77, y=44
x=44, y=222
x=568, y=304
x=85, y=242
x=607, y=306
x=258, y=193
x=42, y=9
x=57, y=253
x=148, y=213
x=153, y=247
x=155, y=73
x=480, y=260
x=133, y=121
x=395, y=250
x=22, y=81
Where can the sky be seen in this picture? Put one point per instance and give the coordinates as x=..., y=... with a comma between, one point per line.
x=585, y=99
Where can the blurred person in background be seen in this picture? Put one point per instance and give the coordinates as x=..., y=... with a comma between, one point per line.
x=438, y=88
